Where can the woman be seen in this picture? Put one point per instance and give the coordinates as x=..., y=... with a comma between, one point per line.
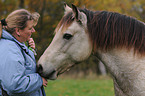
x=18, y=75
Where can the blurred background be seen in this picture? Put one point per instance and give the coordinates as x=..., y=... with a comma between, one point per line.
x=51, y=12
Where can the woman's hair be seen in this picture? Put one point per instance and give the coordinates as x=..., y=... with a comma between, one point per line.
x=18, y=19
x=35, y=16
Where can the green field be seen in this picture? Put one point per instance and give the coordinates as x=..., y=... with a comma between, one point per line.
x=80, y=87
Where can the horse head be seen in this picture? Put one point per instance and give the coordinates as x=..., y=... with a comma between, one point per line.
x=70, y=45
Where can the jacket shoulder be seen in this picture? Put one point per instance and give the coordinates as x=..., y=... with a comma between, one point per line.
x=8, y=44
x=8, y=47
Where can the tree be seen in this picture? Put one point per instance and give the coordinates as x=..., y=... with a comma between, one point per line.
x=21, y=4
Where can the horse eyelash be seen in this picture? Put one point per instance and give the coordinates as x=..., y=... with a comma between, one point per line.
x=67, y=36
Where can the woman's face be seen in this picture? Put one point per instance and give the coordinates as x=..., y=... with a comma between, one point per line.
x=26, y=33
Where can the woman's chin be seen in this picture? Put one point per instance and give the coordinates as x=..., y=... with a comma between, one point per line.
x=28, y=38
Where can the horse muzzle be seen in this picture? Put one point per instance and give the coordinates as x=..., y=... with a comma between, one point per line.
x=51, y=75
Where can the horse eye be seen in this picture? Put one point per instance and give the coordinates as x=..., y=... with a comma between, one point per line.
x=67, y=36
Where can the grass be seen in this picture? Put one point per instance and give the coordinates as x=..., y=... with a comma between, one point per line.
x=80, y=87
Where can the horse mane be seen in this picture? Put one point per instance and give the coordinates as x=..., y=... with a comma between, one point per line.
x=108, y=30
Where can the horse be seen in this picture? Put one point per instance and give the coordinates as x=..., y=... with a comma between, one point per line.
x=115, y=39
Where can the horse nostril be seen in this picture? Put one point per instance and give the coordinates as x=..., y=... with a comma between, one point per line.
x=39, y=69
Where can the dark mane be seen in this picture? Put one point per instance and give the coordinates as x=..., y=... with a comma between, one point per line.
x=109, y=30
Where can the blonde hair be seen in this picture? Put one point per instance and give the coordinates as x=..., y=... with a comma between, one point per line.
x=18, y=19
x=35, y=16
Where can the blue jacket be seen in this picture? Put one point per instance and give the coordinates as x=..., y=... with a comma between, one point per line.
x=18, y=75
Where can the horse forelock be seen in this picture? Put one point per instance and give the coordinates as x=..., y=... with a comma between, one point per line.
x=68, y=19
x=65, y=22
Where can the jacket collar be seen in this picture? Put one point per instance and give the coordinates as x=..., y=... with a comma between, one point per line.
x=6, y=35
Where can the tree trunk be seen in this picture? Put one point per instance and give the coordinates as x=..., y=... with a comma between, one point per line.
x=21, y=4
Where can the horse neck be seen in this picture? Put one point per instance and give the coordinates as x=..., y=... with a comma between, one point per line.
x=125, y=68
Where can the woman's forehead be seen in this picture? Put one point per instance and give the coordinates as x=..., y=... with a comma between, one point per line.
x=30, y=23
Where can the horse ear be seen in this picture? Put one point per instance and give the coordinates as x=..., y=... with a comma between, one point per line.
x=67, y=8
x=79, y=16
x=75, y=11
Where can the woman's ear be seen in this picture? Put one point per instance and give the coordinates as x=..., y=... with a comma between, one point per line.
x=17, y=31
